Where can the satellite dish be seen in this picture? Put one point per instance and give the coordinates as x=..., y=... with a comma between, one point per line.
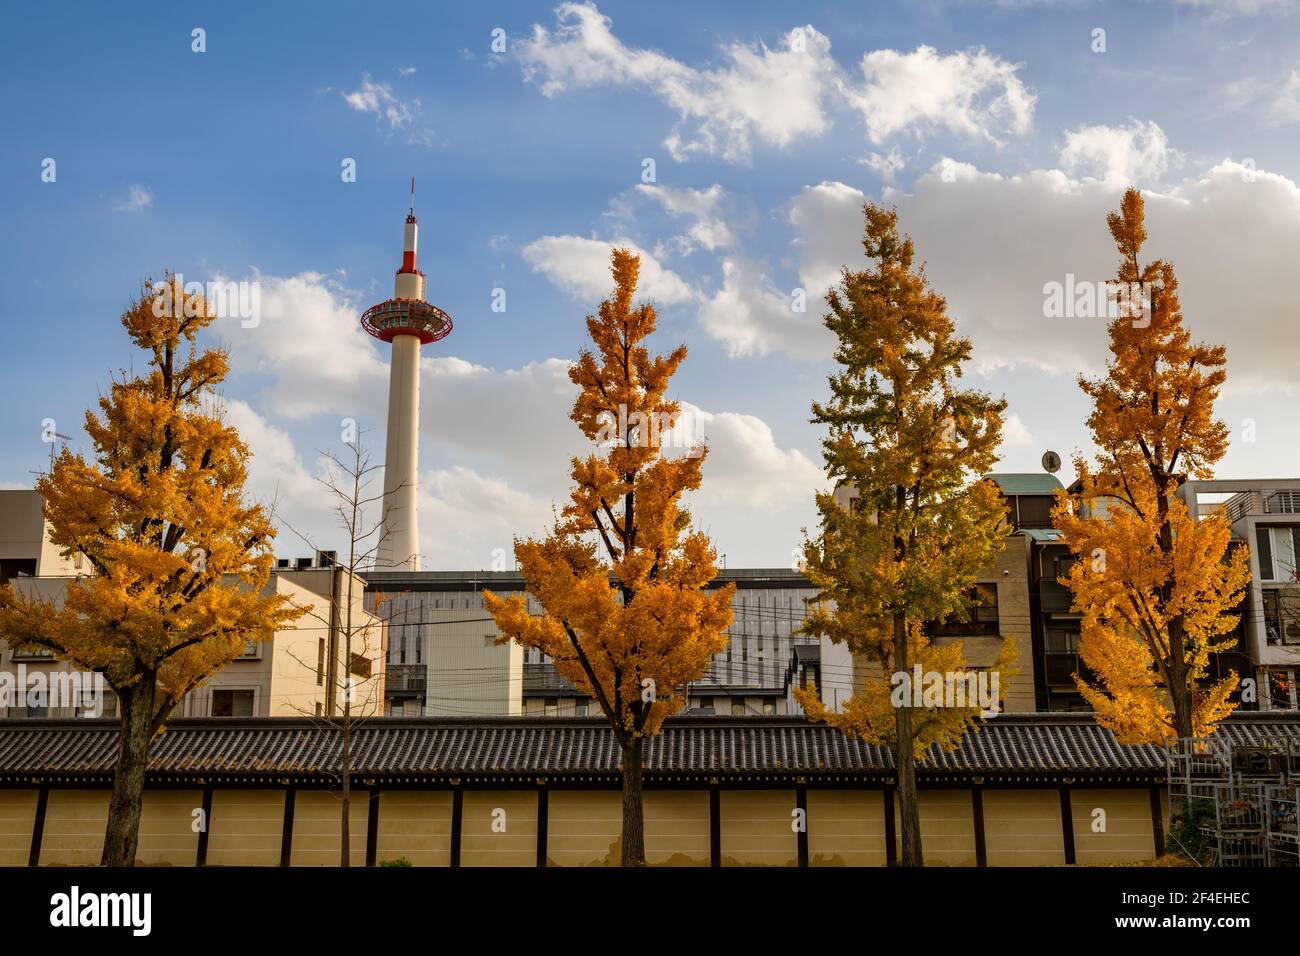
x=1051, y=462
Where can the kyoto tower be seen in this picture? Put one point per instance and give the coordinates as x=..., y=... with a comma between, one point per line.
x=407, y=322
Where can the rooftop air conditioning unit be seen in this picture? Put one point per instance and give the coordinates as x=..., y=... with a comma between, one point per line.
x=303, y=563
x=283, y=563
x=1252, y=760
x=326, y=559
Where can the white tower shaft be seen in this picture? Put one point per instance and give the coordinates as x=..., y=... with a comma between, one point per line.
x=399, y=548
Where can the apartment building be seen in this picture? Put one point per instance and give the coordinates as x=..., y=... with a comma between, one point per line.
x=443, y=659
x=1002, y=598
x=298, y=670
x=1265, y=517
x=305, y=668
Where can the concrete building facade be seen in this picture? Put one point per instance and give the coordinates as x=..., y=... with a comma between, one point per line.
x=443, y=659
x=1265, y=517
x=298, y=671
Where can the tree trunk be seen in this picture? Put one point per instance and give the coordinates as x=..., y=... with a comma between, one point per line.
x=122, y=833
x=1180, y=690
x=633, y=853
x=346, y=824
x=909, y=810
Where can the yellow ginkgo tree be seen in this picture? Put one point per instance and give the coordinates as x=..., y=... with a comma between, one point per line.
x=621, y=579
x=911, y=445
x=180, y=558
x=1156, y=587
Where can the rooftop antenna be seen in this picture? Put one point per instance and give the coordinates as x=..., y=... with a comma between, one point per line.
x=55, y=436
x=411, y=211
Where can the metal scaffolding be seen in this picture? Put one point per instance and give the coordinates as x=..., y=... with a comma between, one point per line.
x=1234, y=805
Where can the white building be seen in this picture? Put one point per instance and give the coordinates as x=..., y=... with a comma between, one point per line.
x=299, y=671
x=1265, y=515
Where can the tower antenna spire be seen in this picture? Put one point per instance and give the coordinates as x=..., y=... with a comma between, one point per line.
x=412, y=209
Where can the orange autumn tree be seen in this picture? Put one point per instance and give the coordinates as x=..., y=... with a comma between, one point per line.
x=621, y=578
x=180, y=559
x=1156, y=587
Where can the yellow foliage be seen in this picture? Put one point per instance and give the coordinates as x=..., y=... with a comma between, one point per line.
x=621, y=579
x=180, y=558
x=1155, y=586
x=910, y=443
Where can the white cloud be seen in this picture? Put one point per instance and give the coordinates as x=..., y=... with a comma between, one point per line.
x=1135, y=153
x=1231, y=234
x=469, y=520
x=783, y=95
x=1015, y=434
x=406, y=71
x=745, y=467
x=774, y=96
x=749, y=315
x=137, y=199
x=310, y=346
x=1283, y=106
x=887, y=166
x=968, y=93
x=827, y=224
x=702, y=206
x=378, y=98
x=302, y=506
x=581, y=267
x=1248, y=8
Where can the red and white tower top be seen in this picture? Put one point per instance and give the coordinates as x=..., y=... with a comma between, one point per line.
x=409, y=236
x=407, y=313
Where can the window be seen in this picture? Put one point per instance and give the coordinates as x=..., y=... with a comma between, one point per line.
x=1280, y=686
x=1277, y=548
x=360, y=666
x=982, y=610
x=580, y=707
x=1062, y=639
x=320, y=662
x=769, y=708
x=737, y=707
x=1035, y=511
x=812, y=674
x=232, y=703
x=252, y=649
x=551, y=708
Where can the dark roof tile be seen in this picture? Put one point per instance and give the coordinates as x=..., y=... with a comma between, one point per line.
x=1015, y=745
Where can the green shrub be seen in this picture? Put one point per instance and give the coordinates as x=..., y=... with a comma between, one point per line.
x=1185, y=835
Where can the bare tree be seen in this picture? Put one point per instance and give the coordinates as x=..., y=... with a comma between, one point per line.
x=347, y=478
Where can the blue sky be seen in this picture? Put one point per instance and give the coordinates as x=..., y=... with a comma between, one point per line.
x=999, y=132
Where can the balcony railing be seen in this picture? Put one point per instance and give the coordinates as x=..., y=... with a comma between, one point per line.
x=1282, y=503
x=1265, y=501
x=1054, y=597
